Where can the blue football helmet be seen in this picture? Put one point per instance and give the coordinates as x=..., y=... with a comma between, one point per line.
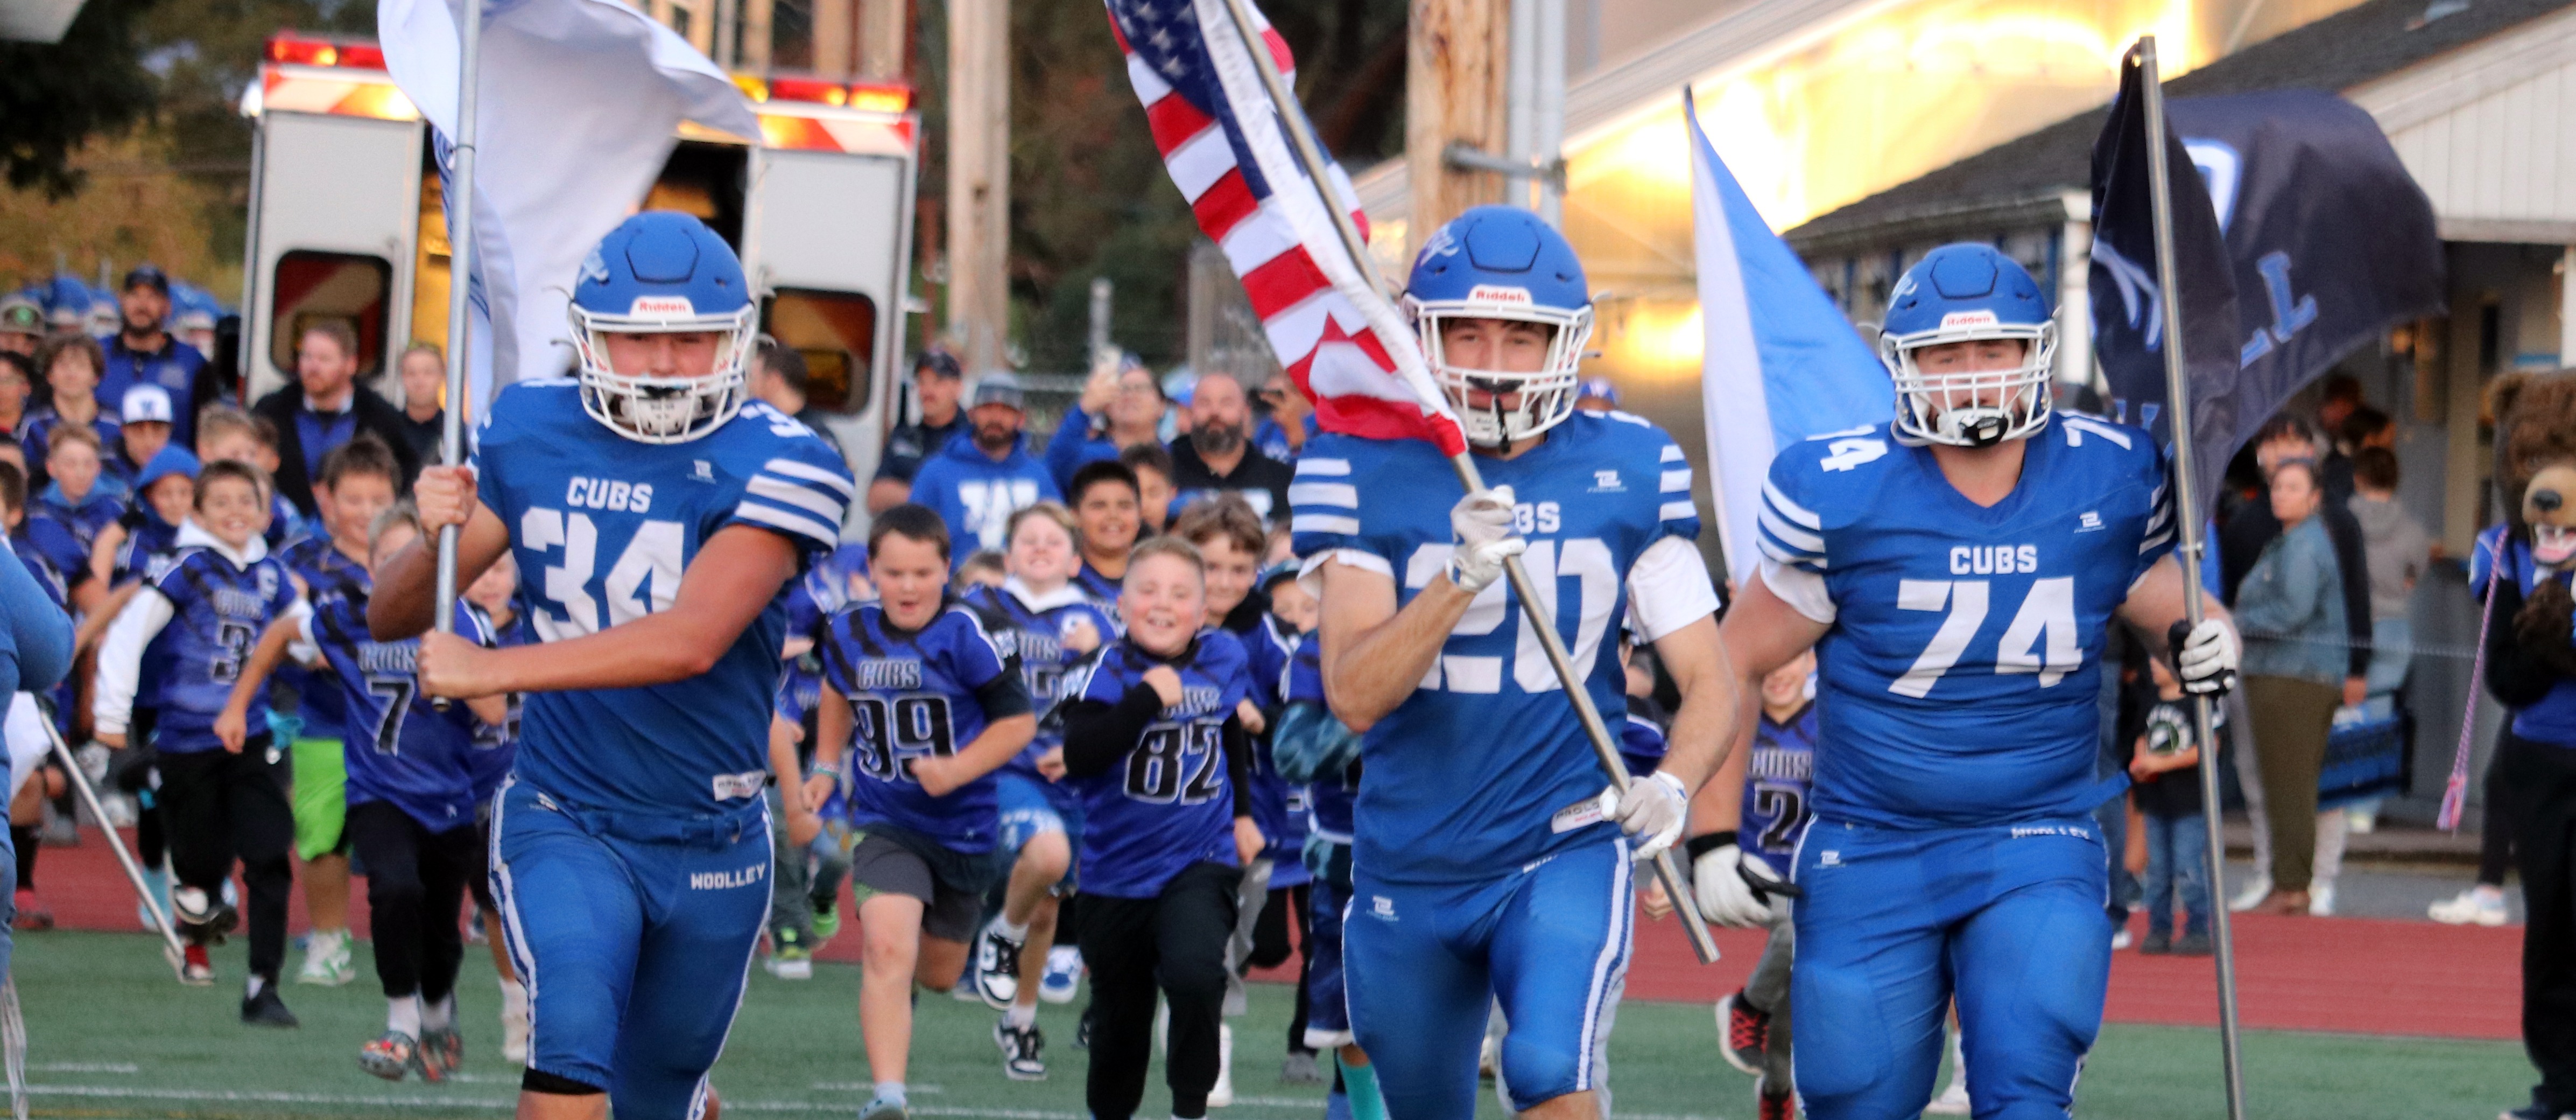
x=1966, y=293
x=1500, y=262
x=663, y=272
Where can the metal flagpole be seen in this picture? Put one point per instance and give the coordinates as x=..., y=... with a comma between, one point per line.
x=2187, y=517
x=460, y=274
x=1604, y=747
x=115, y=843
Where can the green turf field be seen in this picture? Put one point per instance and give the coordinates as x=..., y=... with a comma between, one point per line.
x=113, y=1036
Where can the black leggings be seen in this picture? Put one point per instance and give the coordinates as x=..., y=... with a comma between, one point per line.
x=415, y=883
x=2512, y=772
x=222, y=807
x=1174, y=942
x=1270, y=948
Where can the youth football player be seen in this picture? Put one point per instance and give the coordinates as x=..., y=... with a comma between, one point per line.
x=1313, y=747
x=1765, y=797
x=656, y=512
x=1955, y=571
x=1485, y=864
x=924, y=696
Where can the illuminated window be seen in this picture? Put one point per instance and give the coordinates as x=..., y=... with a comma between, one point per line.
x=311, y=289
x=837, y=333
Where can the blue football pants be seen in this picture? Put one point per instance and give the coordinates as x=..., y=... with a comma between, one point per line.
x=634, y=951
x=1893, y=924
x=1425, y=962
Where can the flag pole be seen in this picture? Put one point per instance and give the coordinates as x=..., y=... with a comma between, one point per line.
x=460, y=274
x=2187, y=518
x=1604, y=748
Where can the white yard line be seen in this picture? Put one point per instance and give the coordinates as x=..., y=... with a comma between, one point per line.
x=499, y=1104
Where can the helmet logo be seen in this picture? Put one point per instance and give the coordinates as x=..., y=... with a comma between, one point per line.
x=662, y=305
x=595, y=267
x=1968, y=319
x=1442, y=244
x=1495, y=293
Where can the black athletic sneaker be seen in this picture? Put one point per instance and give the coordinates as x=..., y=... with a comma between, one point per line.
x=264, y=1009
x=2156, y=944
x=1021, y=1050
x=1082, y=1032
x=2533, y=1111
x=202, y=919
x=2193, y=945
x=1745, y=1031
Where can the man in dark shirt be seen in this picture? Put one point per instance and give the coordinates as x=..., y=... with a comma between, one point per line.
x=1217, y=457
x=937, y=383
x=142, y=353
x=424, y=379
x=326, y=408
x=2241, y=540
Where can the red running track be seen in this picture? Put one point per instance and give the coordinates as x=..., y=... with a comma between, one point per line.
x=2351, y=975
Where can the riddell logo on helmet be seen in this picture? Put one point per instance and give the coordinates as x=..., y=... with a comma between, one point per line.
x=669, y=305
x=1489, y=293
x=1968, y=319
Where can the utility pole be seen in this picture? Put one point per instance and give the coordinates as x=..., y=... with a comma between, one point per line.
x=833, y=51
x=1457, y=65
x=885, y=32
x=756, y=16
x=979, y=179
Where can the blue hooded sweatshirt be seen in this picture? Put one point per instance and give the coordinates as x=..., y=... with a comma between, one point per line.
x=976, y=495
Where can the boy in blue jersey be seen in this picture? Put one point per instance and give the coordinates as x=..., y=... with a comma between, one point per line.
x=1766, y=792
x=1054, y=627
x=354, y=487
x=928, y=693
x=1486, y=864
x=197, y=620
x=79, y=496
x=1107, y=505
x=657, y=513
x=1955, y=572
x=409, y=789
x=1154, y=740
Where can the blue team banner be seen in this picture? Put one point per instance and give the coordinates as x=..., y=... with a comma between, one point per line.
x=2325, y=239
x=1781, y=361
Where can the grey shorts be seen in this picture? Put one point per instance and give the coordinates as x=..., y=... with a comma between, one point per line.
x=950, y=884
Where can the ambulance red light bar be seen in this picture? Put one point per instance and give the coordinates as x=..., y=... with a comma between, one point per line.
x=893, y=99
x=297, y=50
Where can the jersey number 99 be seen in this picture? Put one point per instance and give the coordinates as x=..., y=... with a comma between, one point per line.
x=890, y=735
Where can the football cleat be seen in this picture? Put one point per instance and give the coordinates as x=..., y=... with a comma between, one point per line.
x=1746, y=1033
x=195, y=969
x=1769, y=1107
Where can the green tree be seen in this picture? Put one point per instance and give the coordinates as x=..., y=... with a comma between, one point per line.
x=55, y=96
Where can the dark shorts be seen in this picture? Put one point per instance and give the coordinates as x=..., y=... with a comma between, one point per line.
x=950, y=884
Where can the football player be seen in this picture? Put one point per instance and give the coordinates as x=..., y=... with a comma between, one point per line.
x=1485, y=864
x=658, y=512
x=1955, y=571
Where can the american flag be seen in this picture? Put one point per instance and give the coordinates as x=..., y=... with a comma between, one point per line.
x=1223, y=140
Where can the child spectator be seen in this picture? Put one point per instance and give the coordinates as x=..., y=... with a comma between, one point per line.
x=805, y=893
x=496, y=746
x=933, y=702
x=14, y=453
x=63, y=563
x=145, y=431
x=1155, y=741
x=17, y=385
x=1105, y=501
x=225, y=432
x=1152, y=467
x=166, y=491
x=78, y=495
x=356, y=487
x=2165, y=763
x=71, y=366
x=1053, y=628
x=409, y=797
x=984, y=568
x=198, y=618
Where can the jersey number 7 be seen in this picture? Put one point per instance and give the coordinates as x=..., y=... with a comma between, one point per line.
x=2047, y=612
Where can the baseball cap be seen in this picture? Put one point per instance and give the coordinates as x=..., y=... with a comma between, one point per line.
x=146, y=274
x=997, y=387
x=21, y=315
x=938, y=362
x=170, y=460
x=146, y=404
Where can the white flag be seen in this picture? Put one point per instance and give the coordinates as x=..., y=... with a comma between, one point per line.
x=580, y=104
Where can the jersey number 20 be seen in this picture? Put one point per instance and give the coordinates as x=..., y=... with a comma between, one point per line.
x=1585, y=560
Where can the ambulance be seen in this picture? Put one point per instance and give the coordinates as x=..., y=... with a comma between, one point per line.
x=347, y=223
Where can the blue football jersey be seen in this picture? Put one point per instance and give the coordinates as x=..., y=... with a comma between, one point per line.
x=913, y=695
x=603, y=528
x=1279, y=807
x=1779, y=777
x=496, y=749
x=1959, y=679
x=1038, y=625
x=1169, y=802
x=218, y=611
x=1103, y=590
x=1330, y=800
x=326, y=571
x=56, y=543
x=824, y=589
x=1641, y=745
x=1477, y=771
x=401, y=748
x=148, y=546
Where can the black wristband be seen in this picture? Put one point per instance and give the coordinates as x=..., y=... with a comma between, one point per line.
x=1699, y=846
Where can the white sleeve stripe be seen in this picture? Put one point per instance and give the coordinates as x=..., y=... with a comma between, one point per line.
x=1791, y=535
x=1677, y=482
x=788, y=493
x=1324, y=466
x=796, y=523
x=1675, y=511
x=1804, y=591
x=1341, y=494
x=1323, y=523
x=1772, y=497
x=2154, y=542
x=811, y=473
x=1366, y=561
x=1775, y=552
x=1672, y=453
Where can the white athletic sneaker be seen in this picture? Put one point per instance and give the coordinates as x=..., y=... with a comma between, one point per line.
x=2321, y=900
x=1063, y=975
x=2119, y=939
x=327, y=959
x=2256, y=890
x=2476, y=905
x=1223, y=1094
x=1953, y=1101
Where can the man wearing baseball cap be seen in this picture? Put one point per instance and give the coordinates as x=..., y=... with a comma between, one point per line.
x=985, y=474
x=937, y=383
x=143, y=353
x=146, y=430
x=22, y=324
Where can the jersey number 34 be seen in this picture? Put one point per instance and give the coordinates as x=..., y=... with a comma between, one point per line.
x=2041, y=639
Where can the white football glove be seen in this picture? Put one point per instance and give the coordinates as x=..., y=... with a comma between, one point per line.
x=1734, y=887
x=2204, y=656
x=1482, y=524
x=1651, y=812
